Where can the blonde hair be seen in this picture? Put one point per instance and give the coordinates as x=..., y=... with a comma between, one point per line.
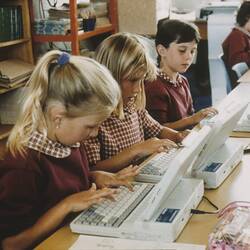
x=125, y=55
x=82, y=86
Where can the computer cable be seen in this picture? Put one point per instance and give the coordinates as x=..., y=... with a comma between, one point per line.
x=198, y=211
x=220, y=212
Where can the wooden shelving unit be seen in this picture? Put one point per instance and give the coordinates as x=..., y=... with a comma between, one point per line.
x=19, y=49
x=76, y=36
x=13, y=42
x=22, y=48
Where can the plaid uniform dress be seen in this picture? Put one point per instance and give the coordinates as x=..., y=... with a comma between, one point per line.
x=44, y=145
x=117, y=134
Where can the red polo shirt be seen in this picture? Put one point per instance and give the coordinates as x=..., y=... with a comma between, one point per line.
x=168, y=102
x=236, y=47
x=30, y=186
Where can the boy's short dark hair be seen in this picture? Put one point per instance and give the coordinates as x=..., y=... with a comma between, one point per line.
x=243, y=14
x=171, y=30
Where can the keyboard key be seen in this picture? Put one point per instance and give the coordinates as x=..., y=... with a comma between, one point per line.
x=113, y=213
x=159, y=164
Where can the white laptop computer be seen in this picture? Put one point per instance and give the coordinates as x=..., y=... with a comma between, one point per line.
x=243, y=124
x=155, y=166
x=220, y=155
x=152, y=211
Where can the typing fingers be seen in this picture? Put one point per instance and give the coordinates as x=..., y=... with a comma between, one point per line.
x=128, y=175
x=210, y=112
x=85, y=199
x=167, y=145
x=100, y=193
x=126, y=184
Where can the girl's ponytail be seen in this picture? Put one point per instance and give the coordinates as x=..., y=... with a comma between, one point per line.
x=32, y=114
x=81, y=85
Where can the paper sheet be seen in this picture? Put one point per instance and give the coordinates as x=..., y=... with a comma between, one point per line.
x=85, y=242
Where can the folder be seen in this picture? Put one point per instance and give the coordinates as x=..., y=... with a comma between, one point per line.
x=13, y=70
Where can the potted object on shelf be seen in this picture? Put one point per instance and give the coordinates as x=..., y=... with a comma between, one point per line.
x=89, y=20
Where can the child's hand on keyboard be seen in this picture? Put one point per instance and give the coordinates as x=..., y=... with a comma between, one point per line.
x=203, y=113
x=181, y=135
x=121, y=178
x=82, y=200
x=154, y=145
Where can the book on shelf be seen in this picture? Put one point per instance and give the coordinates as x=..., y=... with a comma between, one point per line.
x=102, y=21
x=11, y=24
x=9, y=85
x=101, y=9
x=13, y=70
x=54, y=26
x=4, y=90
x=63, y=12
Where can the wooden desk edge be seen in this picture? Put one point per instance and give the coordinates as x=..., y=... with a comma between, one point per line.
x=240, y=134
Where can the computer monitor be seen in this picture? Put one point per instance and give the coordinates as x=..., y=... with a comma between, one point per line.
x=222, y=125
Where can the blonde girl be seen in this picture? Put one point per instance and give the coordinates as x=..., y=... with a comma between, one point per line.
x=130, y=132
x=45, y=174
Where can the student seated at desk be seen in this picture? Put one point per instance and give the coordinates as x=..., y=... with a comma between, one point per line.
x=236, y=46
x=168, y=98
x=130, y=132
x=45, y=174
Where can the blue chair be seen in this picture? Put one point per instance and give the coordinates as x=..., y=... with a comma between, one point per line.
x=240, y=69
x=219, y=79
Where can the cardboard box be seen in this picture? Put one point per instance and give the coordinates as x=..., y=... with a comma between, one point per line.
x=141, y=16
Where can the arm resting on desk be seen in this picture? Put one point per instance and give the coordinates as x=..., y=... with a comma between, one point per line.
x=47, y=223
x=54, y=217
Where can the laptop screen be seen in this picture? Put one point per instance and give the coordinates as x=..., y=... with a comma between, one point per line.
x=222, y=125
x=193, y=144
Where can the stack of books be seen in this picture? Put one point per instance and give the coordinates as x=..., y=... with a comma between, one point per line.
x=11, y=26
x=63, y=11
x=101, y=11
x=59, y=12
x=53, y=26
x=58, y=21
x=14, y=72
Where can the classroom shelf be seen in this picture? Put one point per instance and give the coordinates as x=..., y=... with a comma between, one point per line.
x=16, y=49
x=81, y=34
x=76, y=36
x=13, y=42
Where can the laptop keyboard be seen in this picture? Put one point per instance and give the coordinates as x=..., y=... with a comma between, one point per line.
x=243, y=125
x=159, y=164
x=113, y=213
